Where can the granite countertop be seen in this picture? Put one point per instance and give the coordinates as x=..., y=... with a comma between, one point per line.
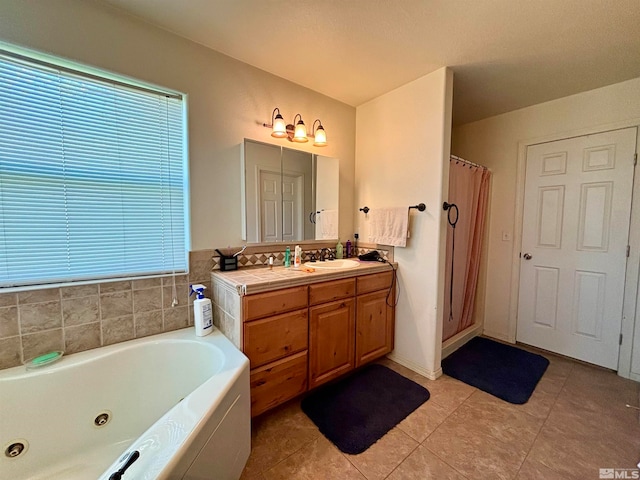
x=249, y=280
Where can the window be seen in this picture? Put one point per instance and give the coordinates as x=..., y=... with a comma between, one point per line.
x=93, y=177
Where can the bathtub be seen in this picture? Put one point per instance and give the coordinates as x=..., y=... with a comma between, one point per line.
x=181, y=401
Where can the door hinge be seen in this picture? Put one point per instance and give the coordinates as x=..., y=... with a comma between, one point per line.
x=628, y=250
x=635, y=159
x=620, y=341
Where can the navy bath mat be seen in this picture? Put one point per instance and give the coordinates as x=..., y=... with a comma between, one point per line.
x=357, y=411
x=504, y=371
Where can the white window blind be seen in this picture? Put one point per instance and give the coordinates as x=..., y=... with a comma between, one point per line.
x=93, y=179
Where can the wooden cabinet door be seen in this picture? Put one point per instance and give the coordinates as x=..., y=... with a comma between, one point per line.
x=331, y=341
x=374, y=327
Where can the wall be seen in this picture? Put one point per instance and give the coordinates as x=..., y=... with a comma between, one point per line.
x=227, y=101
x=494, y=142
x=402, y=151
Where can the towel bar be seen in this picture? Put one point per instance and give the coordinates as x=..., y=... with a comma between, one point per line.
x=421, y=207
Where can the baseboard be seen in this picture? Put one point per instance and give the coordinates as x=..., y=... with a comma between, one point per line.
x=431, y=375
x=635, y=377
x=452, y=344
x=498, y=336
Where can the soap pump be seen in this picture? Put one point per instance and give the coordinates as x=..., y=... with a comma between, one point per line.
x=339, y=250
x=202, y=312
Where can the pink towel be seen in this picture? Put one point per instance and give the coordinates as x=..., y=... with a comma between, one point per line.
x=389, y=226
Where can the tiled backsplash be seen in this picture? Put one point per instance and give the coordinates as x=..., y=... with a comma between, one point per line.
x=82, y=317
x=259, y=254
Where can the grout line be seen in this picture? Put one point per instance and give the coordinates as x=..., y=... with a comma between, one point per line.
x=405, y=458
x=545, y=422
x=441, y=423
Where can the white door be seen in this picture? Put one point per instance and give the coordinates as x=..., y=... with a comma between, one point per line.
x=270, y=213
x=574, y=238
x=292, y=207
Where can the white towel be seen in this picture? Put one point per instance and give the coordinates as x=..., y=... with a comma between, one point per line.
x=389, y=226
x=328, y=224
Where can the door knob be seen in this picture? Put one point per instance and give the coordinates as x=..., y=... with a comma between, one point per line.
x=527, y=256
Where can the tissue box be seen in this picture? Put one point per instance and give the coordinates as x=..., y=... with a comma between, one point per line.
x=228, y=263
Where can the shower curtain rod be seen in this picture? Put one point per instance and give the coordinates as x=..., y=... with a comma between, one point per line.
x=459, y=159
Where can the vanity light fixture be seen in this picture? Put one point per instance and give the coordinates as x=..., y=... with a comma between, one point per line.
x=296, y=131
x=278, y=124
x=300, y=133
x=319, y=135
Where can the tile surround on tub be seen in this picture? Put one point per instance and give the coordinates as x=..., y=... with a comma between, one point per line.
x=82, y=317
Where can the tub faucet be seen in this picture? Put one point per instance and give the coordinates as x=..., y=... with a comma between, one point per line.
x=117, y=475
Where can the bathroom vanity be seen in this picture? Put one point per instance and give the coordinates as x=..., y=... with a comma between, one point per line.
x=301, y=330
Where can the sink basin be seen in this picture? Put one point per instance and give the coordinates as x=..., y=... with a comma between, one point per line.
x=333, y=264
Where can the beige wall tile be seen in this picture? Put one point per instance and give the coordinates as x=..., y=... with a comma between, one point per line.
x=38, y=296
x=115, y=330
x=40, y=343
x=146, y=283
x=116, y=304
x=79, y=291
x=108, y=287
x=10, y=352
x=175, y=318
x=180, y=280
x=182, y=292
x=81, y=337
x=8, y=299
x=200, y=266
x=9, y=322
x=37, y=317
x=77, y=311
x=148, y=323
x=232, y=303
x=147, y=300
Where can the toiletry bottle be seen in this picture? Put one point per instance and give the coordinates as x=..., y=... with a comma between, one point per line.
x=287, y=257
x=202, y=313
x=297, y=258
x=339, y=250
x=348, y=248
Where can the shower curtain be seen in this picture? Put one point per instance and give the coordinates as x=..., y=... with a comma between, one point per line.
x=469, y=190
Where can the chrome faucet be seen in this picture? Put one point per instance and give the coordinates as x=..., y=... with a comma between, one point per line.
x=326, y=252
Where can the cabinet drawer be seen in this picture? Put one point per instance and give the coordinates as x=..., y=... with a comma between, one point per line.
x=276, y=337
x=278, y=382
x=376, y=281
x=271, y=303
x=330, y=291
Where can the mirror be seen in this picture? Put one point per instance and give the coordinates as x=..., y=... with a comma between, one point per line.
x=288, y=195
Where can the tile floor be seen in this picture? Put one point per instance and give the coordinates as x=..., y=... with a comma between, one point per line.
x=574, y=424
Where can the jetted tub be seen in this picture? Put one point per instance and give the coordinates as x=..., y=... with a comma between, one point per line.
x=181, y=401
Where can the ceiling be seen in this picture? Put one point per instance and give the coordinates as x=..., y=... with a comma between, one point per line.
x=505, y=54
